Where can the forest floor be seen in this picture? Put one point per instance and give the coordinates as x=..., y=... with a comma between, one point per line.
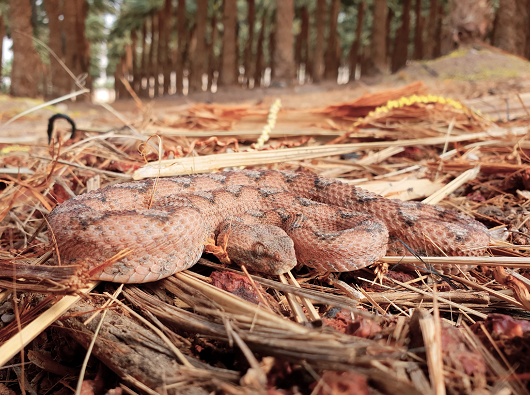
x=449, y=131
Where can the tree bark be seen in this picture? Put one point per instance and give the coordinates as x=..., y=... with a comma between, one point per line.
x=26, y=62
x=166, y=61
x=2, y=35
x=418, y=32
x=212, y=59
x=144, y=91
x=181, y=37
x=331, y=69
x=228, y=75
x=318, y=60
x=431, y=30
x=199, y=56
x=401, y=43
x=354, y=50
x=272, y=47
x=251, y=20
x=160, y=54
x=284, y=56
x=506, y=29
x=388, y=42
x=438, y=35
x=135, y=68
x=60, y=79
x=521, y=27
x=258, y=68
x=378, y=42
x=304, y=34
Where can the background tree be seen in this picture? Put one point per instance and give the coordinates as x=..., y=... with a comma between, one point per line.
x=199, y=56
x=284, y=55
x=228, y=69
x=25, y=73
x=318, y=60
x=378, y=43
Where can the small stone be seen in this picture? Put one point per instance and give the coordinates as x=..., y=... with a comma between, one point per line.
x=7, y=318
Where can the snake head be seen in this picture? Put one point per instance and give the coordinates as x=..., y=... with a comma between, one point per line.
x=261, y=248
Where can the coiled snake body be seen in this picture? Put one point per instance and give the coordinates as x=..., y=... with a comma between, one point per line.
x=264, y=214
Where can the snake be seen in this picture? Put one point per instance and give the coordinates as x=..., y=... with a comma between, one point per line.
x=271, y=221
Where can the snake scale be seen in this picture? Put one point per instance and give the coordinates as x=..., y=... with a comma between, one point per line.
x=272, y=220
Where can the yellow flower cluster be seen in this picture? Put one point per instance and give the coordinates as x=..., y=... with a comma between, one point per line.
x=271, y=122
x=410, y=100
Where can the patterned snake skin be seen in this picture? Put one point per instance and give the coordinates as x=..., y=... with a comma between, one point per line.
x=265, y=214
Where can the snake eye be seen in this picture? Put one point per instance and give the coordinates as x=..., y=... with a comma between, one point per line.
x=259, y=249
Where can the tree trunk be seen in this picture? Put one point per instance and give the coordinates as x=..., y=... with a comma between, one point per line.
x=251, y=20
x=166, y=61
x=152, y=50
x=160, y=54
x=378, y=42
x=181, y=37
x=506, y=29
x=144, y=74
x=212, y=59
x=284, y=56
x=331, y=62
x=135, y=70
x=199, y=55
x=318, y=60
x=272, y=47
x=304, y=34
x=429, y=44
x=388, y=42
x=60, y=78
x=527, y=31
x=2, y=35
x=26, y=61
x=401, y=43
x=470, y=20
x=83, y=45
x=418, y=32
x=228, y=75
x=258, y=68
x=438, y=35
x=521, y=27
x=354, y=50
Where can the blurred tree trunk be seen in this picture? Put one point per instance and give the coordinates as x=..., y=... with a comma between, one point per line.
x=229, y=63
x=238, y=54
x=428, y=46
x=521, y=27
x=160, y=55
x=258, y=68
x=212, y=59
x=378, y=42
x=152, y=48
x=26, y=62
x=166, y=60
x=505, y=37
x=77, y=48
x=144, y=91
x=388, y=42
x=437, y=52
x=305, y=56
x=331, y=68
x=251, y=20
x=283, y=55
x=318, y=59
x=181, y=38
x=418, y=32
x=135, y=68
x=199, y=55
x=401, y=43
x=2, y=35
x=354, y=50
x=60, y=79
x=272, y=46
x=527, y=31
